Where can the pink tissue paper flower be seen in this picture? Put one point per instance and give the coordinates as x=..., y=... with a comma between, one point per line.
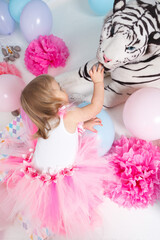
x=44, y=52
x=136, y=168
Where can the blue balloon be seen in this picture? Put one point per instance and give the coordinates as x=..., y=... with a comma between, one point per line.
x=35, y=20
x=101, y=7
x=16, y=7
x=105, y=133
x=7, y=24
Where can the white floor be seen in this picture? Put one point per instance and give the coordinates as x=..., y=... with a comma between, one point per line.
x=79, y=27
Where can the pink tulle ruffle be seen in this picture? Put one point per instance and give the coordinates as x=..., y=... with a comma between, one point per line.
x=6, y=68
x=44, y=52
x=136, y=165
x=66, y=202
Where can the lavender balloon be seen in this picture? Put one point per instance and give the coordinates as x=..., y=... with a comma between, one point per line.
x=35, y=20
x=7, y=24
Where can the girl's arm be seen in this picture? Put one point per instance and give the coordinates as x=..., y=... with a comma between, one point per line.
x=91, y=110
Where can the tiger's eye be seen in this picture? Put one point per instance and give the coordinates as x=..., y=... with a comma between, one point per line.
x=130, y=48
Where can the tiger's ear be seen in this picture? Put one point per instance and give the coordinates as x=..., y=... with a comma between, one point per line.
x=154, y=38
x=119, y=5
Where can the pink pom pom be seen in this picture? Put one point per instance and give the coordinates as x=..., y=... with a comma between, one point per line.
x=44, y=52
x=6, y=68
x=136, y=167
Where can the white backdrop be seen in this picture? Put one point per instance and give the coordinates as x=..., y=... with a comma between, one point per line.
x=79, y=27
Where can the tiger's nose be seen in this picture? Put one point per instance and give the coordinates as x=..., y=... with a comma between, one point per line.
x=106, y=59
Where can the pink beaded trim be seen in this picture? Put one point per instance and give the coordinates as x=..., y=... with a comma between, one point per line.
x=30, y=172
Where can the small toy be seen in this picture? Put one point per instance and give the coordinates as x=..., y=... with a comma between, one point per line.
x=10, y=53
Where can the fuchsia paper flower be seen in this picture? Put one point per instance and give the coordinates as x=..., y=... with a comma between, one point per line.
x=136, y=166
x=44, y=52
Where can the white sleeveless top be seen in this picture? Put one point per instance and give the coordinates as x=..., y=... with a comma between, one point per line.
x=56, y=152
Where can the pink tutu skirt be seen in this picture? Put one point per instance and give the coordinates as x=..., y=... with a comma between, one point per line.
x=65, y=202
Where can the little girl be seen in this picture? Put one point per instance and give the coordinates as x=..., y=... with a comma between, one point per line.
x=59, y=183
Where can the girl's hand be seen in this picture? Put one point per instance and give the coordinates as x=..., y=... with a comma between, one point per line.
x=89, y=125
x=97, y=73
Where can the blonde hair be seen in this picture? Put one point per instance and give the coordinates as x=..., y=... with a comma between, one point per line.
x=41, y=104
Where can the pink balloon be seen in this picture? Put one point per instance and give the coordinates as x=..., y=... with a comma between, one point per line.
x=141, y=114
x=11, y=87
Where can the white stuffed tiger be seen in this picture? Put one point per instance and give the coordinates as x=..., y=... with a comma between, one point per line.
x=129, y=50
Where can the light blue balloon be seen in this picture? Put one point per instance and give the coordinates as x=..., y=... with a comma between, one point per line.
x=16, y=7
x=101, y=7
x=7, y=24
x=105, y=133
x=35, y=20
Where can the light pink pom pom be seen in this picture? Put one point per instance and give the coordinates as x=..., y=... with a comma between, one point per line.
x=6, y=68
x=44, y=52
x=136, y=166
